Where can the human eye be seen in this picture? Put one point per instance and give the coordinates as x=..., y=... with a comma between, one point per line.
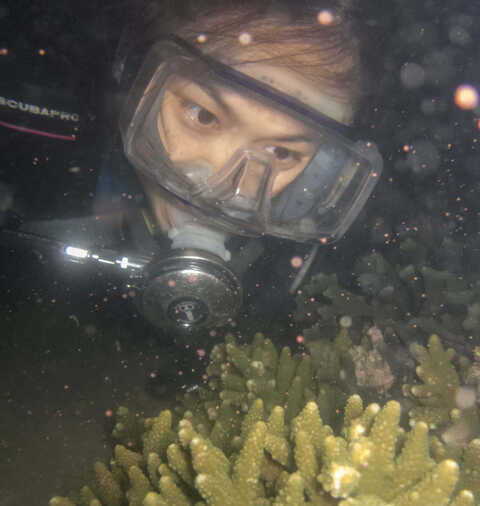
x=199, y=115
x=284, y=155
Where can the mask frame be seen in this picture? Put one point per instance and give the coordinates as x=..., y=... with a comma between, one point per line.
x=354, y=182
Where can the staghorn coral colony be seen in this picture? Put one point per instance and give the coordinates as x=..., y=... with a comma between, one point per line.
x=405, y=297
x=256, y=433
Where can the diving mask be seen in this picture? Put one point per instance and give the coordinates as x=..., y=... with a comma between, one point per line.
x=181, y=127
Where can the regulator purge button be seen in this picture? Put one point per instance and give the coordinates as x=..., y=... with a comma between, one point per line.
x=187, y=311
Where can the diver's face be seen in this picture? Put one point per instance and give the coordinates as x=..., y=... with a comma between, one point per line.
x=202, y=124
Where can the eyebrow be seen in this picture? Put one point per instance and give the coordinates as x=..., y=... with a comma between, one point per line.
x=212, y=92
x=215, y=94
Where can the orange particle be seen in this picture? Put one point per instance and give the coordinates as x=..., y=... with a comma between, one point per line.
x=466, y=97
x=325, y=17
x=296, y=262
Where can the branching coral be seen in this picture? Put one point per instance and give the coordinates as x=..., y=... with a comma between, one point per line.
x=437, y=396
x=403, y=298
x=443, y=402
x=266, y=444
x=237, y=375
x=372, y=462
x=322, y=300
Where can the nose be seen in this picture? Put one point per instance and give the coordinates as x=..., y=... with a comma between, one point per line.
x=250, y=182
x=221, y=150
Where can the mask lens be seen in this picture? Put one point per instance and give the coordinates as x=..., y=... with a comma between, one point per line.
x=190, y=131
x=242, y=190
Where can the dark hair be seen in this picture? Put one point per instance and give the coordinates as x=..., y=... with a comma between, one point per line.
x=283, y=33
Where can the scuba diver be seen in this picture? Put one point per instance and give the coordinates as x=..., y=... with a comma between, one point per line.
x=237, y=139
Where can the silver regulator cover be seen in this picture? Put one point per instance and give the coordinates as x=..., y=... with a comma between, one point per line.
x=190, y=288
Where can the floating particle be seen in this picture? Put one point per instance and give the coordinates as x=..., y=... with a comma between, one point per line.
x=459, y=35
x=296, y=262
x=325, y=17
x=346, y=321
x=423, y=158
x=466, y=97
x=202, y=38
x=465, y=397
x=245, y=39
x=412, y=75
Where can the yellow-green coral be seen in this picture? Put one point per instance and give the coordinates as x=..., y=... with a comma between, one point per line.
x=470, y=462
x=237, y=375
x=440, y=383
x=442, y=398
x=220, y=453
x=375, y=462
